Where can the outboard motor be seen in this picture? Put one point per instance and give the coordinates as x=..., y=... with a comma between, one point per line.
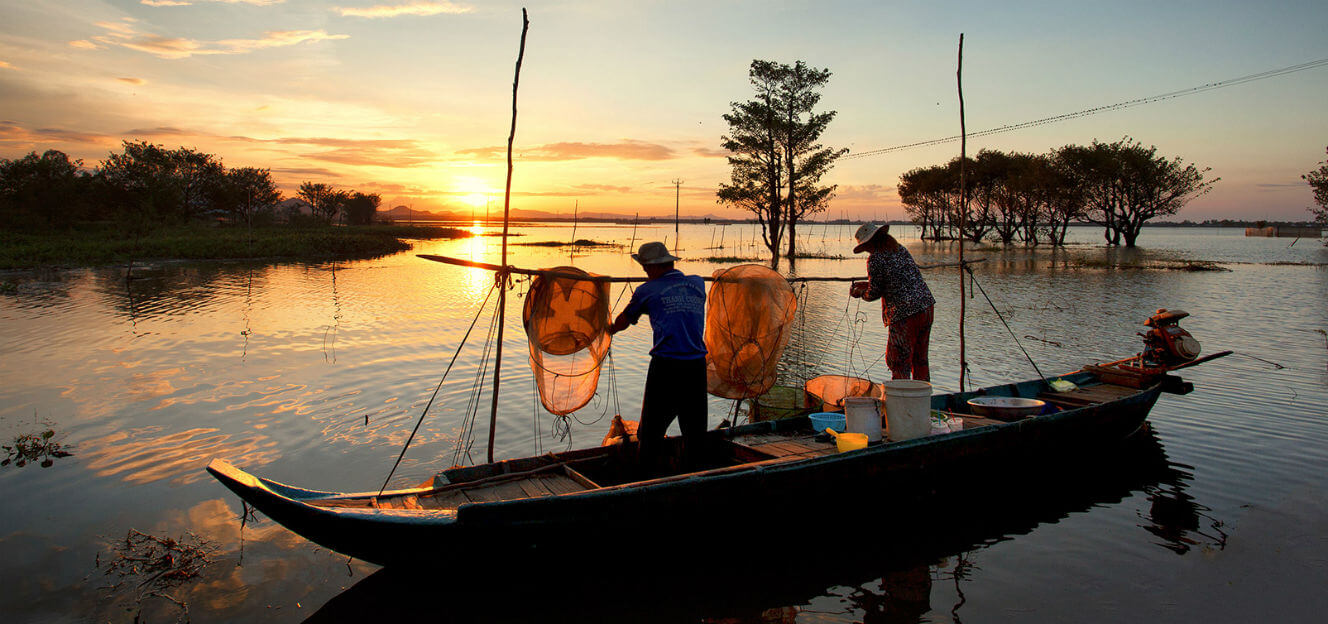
x=1167, y=344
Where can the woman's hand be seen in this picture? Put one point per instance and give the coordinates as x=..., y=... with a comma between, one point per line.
x=858, y=289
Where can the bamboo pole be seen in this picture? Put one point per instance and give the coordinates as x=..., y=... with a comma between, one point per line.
x=608, y=278
x=503, y=268
x=963, y=211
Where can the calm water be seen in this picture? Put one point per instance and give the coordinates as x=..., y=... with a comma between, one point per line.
x=314, y=374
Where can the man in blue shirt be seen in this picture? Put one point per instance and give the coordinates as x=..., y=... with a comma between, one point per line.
x=676, y=381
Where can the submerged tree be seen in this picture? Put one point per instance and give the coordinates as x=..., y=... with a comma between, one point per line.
x=806, y=161
x=1127, y=184
x=1318, y=181
x=925, y=193
x=775, y=155
x=755, y=157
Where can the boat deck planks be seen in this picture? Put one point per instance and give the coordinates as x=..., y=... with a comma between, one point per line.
x=1087, y=395
x=559, y=484
x=785, y=445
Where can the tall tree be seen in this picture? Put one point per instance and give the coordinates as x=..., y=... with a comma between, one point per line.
x=1127, y=184
x=755, y=156
x=1318, y=181
x=199, y=176
x=324, y=200
x=138, y=183
x=360, y=208
x=44, y=190
x=805, y=159
x=925, y=191
x=775, y=154
x=1155, y=186
x=149, y=182
x=1063, y=197
x=247, y=192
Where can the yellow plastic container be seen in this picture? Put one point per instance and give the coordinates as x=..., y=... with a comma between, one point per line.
x=848, y=441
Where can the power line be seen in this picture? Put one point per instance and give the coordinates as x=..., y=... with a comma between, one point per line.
x=1272, y=73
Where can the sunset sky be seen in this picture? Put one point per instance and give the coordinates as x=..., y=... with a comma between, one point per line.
x=411, y=98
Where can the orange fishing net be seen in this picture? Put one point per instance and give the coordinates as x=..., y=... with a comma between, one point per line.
x=830, y=390
x=567, y=325
x=749, y=313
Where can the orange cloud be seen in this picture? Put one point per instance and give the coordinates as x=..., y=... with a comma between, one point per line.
x=161, y=131
x=707, y=152
x=603, y=187
x=306, y=171
x=11, y=132
x=4, y=65
x=363, y=152
x=175, y=3
x=865, y=193
x=133, y=81
x=413, y=8
x=628, y=149
x=124, y=34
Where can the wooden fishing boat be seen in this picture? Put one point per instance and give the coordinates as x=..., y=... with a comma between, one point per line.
x=747, y=474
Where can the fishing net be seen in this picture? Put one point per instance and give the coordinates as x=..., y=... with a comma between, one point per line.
x=567, y=326
x=830, y=391
x=749, y=313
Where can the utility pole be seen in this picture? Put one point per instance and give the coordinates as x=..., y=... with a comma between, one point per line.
x=677, y=186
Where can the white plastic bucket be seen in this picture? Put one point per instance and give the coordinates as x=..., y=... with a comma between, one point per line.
x=907, y=409
x=864, y=416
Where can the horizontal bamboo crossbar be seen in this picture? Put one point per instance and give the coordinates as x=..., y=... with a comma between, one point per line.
x=606, y=278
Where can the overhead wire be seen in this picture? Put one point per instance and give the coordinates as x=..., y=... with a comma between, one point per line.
x=1272, y=73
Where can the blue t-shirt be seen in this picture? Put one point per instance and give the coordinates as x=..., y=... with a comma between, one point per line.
x=675, y=304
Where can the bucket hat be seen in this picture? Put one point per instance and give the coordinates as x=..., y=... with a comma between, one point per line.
x=654, y=253
x=867, y=232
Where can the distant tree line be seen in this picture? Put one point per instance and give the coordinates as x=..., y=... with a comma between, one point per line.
x=147, y=184
x=1033, y=198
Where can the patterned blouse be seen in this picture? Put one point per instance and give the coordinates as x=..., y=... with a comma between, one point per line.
x=897, y=282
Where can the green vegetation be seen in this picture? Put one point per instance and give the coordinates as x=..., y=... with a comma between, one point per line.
x=1034, y=197
x=91, y=244
x=1154, y=265
x=580, y=242
x=818, y=256
x=730, y=259
x=147, y=185
x=1318, y=181
x=148, y=202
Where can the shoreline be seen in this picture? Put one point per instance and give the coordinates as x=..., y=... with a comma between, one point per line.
x=109, y=245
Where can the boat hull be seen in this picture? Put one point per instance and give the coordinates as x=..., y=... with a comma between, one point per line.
x=719, y=500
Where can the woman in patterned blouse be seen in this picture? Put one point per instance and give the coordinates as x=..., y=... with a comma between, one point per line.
x=906, y=302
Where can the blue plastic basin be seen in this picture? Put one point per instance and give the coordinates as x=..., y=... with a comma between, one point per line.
x=822, y=420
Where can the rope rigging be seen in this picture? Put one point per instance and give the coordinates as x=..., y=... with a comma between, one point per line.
x=435, y=390
x=1272, y=73
x=973, y=281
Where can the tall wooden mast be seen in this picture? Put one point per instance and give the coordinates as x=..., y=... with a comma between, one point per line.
x=507, y=211
x=963, y=211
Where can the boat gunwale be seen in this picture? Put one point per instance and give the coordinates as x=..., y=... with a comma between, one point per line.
x=307, y=499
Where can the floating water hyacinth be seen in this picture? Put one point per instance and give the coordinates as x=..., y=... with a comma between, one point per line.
x=33, y=447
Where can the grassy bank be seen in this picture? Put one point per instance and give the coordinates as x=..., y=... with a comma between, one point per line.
x=95, y=245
